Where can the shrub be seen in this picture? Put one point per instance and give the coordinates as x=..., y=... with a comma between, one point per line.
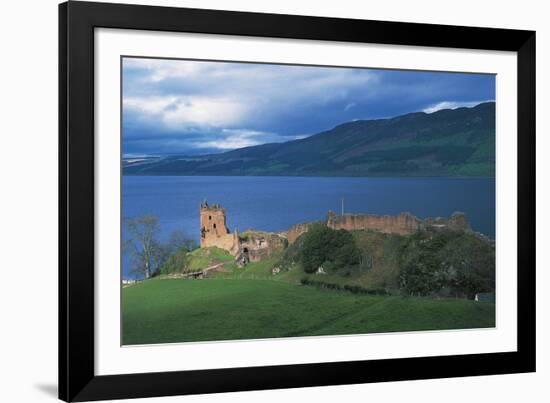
x=354, y=289
x=448, y=262
x=322, y=244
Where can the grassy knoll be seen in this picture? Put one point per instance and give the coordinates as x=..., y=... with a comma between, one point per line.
x=204, y=257
x=185, y=262
x=165, y=311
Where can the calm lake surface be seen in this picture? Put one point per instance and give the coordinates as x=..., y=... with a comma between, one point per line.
x=277, y=203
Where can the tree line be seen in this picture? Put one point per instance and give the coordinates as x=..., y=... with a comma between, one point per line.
x=147, y=253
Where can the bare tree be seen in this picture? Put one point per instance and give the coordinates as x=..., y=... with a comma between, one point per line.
x=143, y=246
x=177, y=241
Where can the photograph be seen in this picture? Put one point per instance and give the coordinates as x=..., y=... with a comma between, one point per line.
x=279, y=201
x=267, y=200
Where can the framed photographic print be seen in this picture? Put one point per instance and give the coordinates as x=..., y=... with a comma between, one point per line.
x=258, y=201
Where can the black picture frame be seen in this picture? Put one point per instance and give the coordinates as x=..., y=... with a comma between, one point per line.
x=77, y=379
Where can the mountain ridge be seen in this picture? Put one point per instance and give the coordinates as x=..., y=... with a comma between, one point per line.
x=448, y=142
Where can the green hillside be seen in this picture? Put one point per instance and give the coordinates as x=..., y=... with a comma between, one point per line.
x=459, y=142
x=396, y=283
x=165, y=311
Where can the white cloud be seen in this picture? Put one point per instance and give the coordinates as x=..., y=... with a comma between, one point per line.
x=162, y=69
x=148, y=105
x=181, y=111
x=349, y=106
x=238, y=138
x=238, y=95
x=452, y=105
x=235, y=138
x=247, y=76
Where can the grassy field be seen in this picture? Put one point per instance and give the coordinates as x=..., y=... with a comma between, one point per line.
x=247, y=304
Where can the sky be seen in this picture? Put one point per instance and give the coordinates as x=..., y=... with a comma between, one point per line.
x=200, y=107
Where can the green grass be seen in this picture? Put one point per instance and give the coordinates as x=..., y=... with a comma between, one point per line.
x=204, y=257
x=165, y=311
x=252, y=271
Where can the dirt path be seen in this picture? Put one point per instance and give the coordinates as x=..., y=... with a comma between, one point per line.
x=203, y=271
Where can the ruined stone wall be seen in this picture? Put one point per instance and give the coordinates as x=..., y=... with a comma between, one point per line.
x=402, y=224
x=228, y=242
x=261, y=245
x=294, y=232
x=457, y=222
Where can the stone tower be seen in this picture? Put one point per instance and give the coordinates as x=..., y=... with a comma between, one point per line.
x=214, y=231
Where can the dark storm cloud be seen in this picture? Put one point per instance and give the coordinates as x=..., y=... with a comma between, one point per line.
x=190, y=107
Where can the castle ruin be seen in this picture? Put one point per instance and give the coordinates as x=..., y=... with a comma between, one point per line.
x=214, y=231
x=251, y=246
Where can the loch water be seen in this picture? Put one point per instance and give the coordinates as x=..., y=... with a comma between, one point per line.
x=276, y=203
